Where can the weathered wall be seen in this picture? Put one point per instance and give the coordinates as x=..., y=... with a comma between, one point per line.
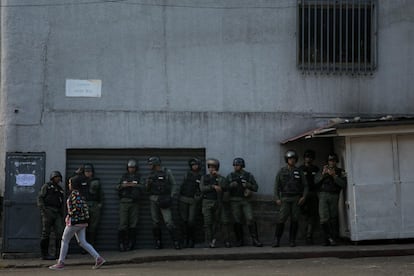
x=184, y=73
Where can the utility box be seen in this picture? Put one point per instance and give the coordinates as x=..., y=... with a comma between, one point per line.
x=25, y=174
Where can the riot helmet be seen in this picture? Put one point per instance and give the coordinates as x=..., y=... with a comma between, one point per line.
x=88, y=167
x=194, y=161
x=55, y=174
x=212, y=162
x=132, y=163
x=309, y=154
x=333, y=157
x=291, y=154
x=238, y=161
x=154, y=161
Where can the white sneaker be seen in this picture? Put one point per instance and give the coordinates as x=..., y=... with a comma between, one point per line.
x=99, y=262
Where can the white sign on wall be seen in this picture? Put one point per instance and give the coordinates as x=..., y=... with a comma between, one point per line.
x=83, y=88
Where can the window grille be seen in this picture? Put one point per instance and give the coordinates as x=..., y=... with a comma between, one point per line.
x=337, y=36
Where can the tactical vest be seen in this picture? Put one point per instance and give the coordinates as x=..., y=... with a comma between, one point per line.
x=191, y=184
x=328, y=183
x=239, y=178
x=210, y=180
x=130, y=192
x=310, y=172
x=90, y=189
x=54, y=195
x=160, y=185
x=291, y=182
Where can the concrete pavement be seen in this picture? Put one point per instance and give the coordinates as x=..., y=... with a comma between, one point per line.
x=235, y=253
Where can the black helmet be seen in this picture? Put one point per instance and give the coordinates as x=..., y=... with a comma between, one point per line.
x=309, y=154
x=154, y=161
x=194, y=161
x=88, y=167
x=54, y=174
x=238, y=162
x=212, y=162
x=333, y=156
x=291, y=154
x=132, y=163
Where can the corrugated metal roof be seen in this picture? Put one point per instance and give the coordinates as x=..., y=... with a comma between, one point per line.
x=330, y=129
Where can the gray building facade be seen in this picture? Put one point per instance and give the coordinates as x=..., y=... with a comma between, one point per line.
x=220, y=76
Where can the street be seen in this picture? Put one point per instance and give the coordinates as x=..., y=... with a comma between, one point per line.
x=320, y=266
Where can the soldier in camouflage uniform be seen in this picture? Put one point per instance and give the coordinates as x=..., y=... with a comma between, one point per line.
x=290, y=192
x=331, y=181
x=162, y=188
x=190, y=198
x=50, y=202
x=129, y=190
x=212, y=186
x=92, y=191
x=310, y=207
x=242, y=185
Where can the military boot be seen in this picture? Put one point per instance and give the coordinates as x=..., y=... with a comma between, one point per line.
x=309, y=234
x=327, y=234
x=334, y=224
x=293, y=229
x=121, y=241
x=156, y=232
x=208, y=236
x=278, y=234
x=238, y=231
x=132, y=238
x=226, y=232
x=174, y=237
x=57, y=252
x=254, y=234
x=190, y=236
x=44, y=248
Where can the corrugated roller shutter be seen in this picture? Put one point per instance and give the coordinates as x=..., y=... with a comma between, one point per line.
x=109, y=165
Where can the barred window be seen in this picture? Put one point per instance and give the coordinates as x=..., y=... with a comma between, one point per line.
x=337, y=36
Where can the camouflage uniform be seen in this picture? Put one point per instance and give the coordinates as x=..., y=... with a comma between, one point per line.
x=50, y=202
x=162, y=188
x=241, y=186
x=190, y=198
x=212, y=208
x=330, y=187
x=310, y=207
x=91, y=189
x=290, y=187
x=129, y=190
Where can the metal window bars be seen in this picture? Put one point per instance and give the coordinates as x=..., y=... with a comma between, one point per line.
x=337, y=36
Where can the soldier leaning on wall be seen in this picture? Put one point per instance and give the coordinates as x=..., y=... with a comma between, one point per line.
x=50, y=202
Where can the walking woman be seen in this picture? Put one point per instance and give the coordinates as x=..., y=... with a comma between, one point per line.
x=76, y=224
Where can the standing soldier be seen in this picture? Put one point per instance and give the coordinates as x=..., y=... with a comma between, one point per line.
x=290, y=192
x=242, y=184
x=129, y=191
x=162, y=187
x=212, y=186
x=190, y=197
x=92, y=191
x=310, y=207
x=50, y=202
x=331, y=181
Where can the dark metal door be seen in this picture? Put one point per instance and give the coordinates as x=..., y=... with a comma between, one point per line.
x=25, y=174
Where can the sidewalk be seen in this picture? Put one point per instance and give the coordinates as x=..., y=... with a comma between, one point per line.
x=235, y=253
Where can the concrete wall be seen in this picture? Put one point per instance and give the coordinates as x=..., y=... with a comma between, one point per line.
x=184, y=73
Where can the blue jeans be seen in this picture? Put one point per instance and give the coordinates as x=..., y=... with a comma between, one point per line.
x=79, y=233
